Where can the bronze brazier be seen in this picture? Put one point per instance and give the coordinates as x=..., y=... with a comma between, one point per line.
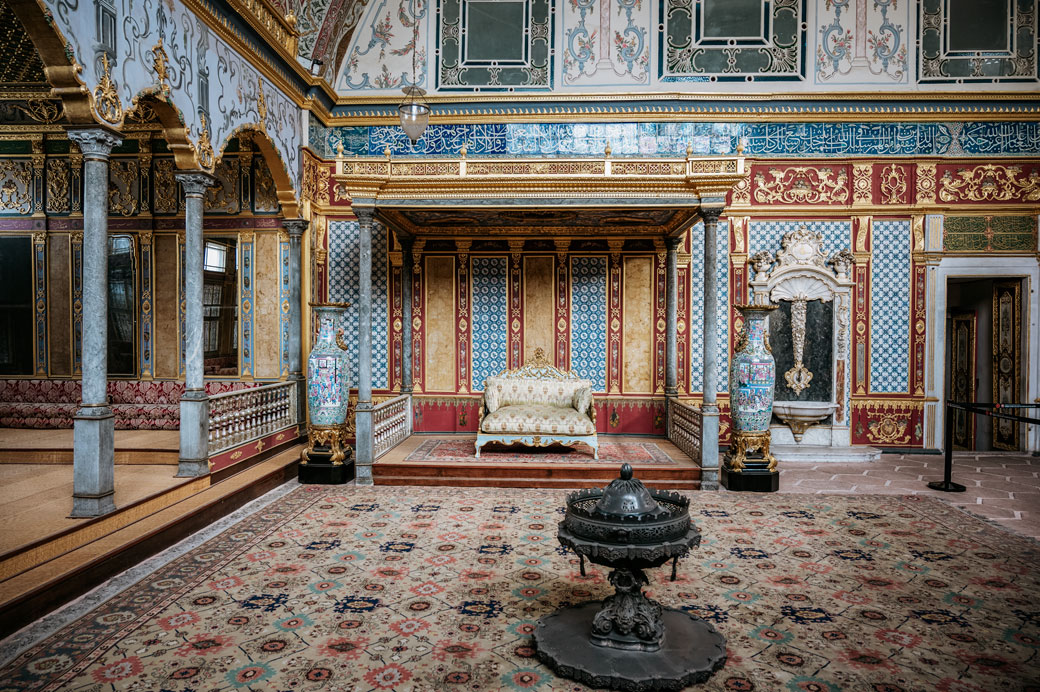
x=628, y=641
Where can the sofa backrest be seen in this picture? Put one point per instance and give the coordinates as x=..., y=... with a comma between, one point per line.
x=529, y=390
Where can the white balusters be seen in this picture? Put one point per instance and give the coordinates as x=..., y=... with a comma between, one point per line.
x=391, y=423
x=250, y=414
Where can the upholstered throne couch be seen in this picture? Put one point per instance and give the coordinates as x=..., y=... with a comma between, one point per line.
x=537, y=405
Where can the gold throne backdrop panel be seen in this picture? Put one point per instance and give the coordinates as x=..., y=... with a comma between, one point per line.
x=638, y=325
x=266, y=327
x=538, y=306
x=440, y=324
x=165, y=339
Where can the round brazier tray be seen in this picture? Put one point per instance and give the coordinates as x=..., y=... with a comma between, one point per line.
x=690, y=652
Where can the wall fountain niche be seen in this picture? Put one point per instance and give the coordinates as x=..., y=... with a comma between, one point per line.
x=810, y=339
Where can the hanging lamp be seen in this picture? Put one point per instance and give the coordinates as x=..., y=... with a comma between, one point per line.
x=414, y=111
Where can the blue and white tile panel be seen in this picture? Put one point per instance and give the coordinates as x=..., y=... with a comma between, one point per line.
x=766, y=235
x=696, y=311
x=343, y=287
x=589, y=319
x=890, y=307
x=490, y=322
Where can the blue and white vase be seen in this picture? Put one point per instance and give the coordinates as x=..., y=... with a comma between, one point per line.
x=328, y=384
x=752, y=374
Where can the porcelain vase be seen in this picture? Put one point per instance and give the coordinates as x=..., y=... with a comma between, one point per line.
x=752, y=374
x=328, y=384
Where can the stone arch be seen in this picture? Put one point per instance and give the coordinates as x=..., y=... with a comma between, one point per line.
x=172, y=120
x=287, y=196
x=61, y=70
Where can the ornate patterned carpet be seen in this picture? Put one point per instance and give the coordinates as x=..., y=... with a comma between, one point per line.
x=461, y=451
x=438, y=589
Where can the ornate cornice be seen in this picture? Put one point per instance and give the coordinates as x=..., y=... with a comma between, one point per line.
x=695, y=107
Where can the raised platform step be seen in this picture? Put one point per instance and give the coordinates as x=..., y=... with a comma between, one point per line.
x=31, y=446
x=397, y=469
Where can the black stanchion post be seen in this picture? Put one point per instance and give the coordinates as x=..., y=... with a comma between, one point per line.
x=947, y=484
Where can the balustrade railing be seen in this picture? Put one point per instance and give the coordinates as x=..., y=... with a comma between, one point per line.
x=249, y=414
x=685, y=428
x=391, y=423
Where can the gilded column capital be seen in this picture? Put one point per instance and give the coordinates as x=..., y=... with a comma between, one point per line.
x=295, y=227
x=95, y=142
x=195, y=183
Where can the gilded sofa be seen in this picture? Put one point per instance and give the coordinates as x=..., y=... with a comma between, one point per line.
x=537, y=405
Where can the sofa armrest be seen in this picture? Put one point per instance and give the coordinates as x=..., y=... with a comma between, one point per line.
x=592, y=409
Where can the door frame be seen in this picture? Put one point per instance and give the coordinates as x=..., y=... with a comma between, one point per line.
x=1025, y=267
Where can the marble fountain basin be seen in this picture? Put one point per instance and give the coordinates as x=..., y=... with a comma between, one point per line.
x=799, y=415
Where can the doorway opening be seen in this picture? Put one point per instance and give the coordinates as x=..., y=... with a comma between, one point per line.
x=985, y=347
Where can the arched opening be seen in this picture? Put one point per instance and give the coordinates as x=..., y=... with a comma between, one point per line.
x=283, y=184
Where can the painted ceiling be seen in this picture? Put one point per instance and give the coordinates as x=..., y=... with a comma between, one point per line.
x=647, y=46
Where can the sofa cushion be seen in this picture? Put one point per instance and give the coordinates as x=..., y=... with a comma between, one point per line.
x=538, y=419
x=582, y=399
x=525, y=390
x=491, y=395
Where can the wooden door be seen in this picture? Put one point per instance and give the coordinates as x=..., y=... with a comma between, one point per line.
x=963, y=376
x=1007, y=358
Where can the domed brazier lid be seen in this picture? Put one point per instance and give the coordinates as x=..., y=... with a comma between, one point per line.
x=626, y=496
x=627, y=519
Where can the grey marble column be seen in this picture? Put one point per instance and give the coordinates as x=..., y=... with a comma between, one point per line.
x=710, y=379
x=194, y=454
x=671, y=344
x=406, y=314
x=93, y=457
x=364, y=441
x=295, y=228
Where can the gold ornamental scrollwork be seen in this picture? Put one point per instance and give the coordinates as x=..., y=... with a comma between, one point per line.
x=42, y=111
x=57, y=186
x=261, y=103
x=925, y=183
x=15, y=187
x=893, y=184
x=862, y=185
x=160, y=60
x=889, y=429
x=204, y=149
x=802, y=185
x=106, y=100
x=990, y=183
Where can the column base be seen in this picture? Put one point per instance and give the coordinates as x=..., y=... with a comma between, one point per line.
x=93, y=466
x=710, y=449
x=189, y=468
x=364, y=474
x=194, y=451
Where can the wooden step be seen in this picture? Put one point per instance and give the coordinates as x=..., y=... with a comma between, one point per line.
x=679, y=484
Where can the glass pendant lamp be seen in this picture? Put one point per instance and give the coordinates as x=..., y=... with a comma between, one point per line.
x=414, y=111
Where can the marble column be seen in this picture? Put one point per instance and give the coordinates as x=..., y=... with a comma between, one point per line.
x=93, y=471
x=710, y=379
x=407, y=260
x=671, y=344
x=194, y=453
x=364, y=441
x=295, y=228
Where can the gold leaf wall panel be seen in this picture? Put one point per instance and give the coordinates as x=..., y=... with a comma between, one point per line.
x=440, y=324
x=538, y=305
x=165, y=338
x=637, y=360
x=266, y=328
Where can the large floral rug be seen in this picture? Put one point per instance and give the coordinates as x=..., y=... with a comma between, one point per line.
x=439, y=589
x=462, y=451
